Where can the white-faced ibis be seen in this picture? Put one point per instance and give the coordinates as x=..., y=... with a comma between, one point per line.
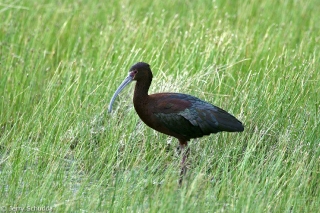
x=179, y=115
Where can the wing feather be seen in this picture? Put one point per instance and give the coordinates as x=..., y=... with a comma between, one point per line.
x=192, y=117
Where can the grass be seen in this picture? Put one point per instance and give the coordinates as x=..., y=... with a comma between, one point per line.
x=61, y=61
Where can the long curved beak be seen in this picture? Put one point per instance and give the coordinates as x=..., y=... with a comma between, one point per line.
x=124, y=83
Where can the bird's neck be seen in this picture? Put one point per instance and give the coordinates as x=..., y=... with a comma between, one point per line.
x=141, y=91
x=141, y=101
x=141, y=97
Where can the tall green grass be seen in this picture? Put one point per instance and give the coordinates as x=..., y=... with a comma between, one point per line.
x=61, y=61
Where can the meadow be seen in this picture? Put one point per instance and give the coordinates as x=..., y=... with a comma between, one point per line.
x=61, y=61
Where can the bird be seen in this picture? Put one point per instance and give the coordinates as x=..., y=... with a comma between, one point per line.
x=175, y=114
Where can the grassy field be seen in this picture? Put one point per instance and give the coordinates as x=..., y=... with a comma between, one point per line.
x=61, y=61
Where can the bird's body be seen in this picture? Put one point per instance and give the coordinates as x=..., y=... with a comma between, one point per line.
x=184, y=116
x=179, y=115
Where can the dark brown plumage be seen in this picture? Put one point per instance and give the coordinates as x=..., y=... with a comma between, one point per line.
x=179, y=115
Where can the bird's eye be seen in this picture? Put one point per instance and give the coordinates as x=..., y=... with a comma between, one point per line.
x=133, y=73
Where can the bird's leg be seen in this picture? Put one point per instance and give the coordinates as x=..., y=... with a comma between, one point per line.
x=185, y=152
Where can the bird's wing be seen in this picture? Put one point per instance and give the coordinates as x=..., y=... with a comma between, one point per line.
x=179, y=125
x=211, y=119
x=192, y=117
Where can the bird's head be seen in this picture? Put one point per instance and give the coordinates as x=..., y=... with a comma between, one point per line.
x=139, y=71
